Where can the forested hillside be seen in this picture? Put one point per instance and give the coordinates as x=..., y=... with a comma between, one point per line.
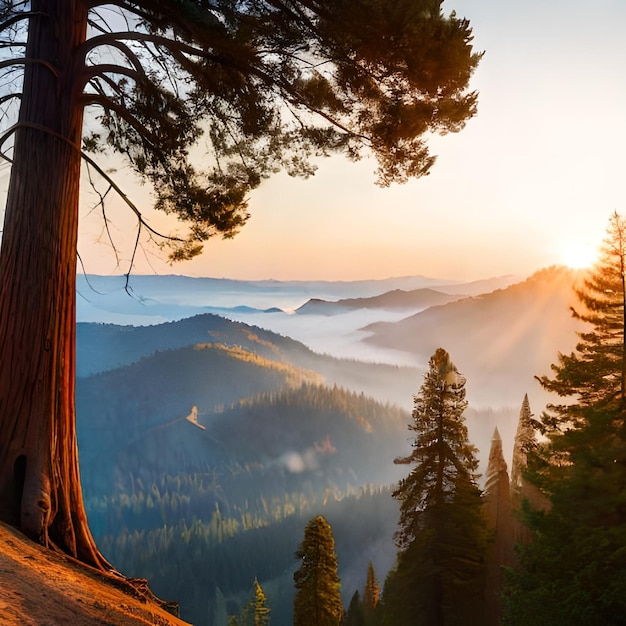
x=191, y=456
x=104, y=347
x=207, y=441
x=499, y=340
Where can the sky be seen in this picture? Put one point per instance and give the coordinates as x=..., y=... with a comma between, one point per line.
x=531, y=181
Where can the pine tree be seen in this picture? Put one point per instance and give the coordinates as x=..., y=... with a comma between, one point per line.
x=499, y=514
x=256, y=611
x=355, y=616
x=595, y=373
x=524, y=493
x=439, y=574
x=525, y=440
x=261, y=610
x=573, y=571
x=371, y=596
x=317, y=601
x=497, y=500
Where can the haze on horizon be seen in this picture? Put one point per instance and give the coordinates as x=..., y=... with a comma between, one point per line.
x=530, y=182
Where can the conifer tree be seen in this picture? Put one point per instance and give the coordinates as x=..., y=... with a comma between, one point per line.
x=439, y=574
x=499, y=514
x=371, y=596
x=261, y=610
x=255, y=613
x=317, y=601
x=595, y=373
x=355, y=615
x=525, y=440
x=573, y=571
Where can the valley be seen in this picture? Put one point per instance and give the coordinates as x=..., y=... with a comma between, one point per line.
x=202, y=436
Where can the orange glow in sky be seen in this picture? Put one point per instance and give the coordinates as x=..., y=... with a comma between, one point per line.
x=541, y=164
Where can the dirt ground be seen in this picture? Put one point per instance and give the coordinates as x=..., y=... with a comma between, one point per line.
x=41, y=588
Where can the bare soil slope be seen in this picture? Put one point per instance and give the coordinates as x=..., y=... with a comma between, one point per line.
x=42, y=588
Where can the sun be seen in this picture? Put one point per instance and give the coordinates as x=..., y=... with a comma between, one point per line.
x=577, y=255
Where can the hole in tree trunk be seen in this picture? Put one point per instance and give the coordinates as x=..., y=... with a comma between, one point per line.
x=19, y=476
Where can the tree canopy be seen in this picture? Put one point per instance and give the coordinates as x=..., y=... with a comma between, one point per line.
x=253, y=87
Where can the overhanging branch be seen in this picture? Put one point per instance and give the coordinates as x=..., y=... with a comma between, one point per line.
x=131, y=205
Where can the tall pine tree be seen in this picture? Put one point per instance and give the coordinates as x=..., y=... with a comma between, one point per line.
x=317, y=601
x=371, y=596
x=439, y=575
x=255, y=613
x=573, y=571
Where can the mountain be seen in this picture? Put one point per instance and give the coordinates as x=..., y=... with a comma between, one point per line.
x=207, y=444
x=141, y=419
x=105, y=347
x=142, y=299
x=499, y=340
x=212, y=454
x=391, y=300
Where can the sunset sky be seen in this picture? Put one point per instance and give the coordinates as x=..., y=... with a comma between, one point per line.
x=534, y=176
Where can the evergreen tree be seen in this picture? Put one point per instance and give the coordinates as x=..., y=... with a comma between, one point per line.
x=317, y=601
x=499, y=515
x=261, y=610
x=525, y=441
x=266, y=85
x=256, y=611
x=595, y=373
x=371, y=596
x=439, y=574
x=573, y=571
x=355, y=616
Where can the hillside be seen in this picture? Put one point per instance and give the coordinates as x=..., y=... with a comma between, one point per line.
x=499, y=340
x=106, y=347
x=39, y=587
x=391, y=300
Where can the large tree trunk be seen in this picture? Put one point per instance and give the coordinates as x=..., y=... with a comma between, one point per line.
x=40, y=490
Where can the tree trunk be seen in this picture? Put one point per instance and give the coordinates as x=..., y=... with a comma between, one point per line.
x=40, y=490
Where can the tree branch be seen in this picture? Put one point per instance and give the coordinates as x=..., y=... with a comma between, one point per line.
x=24, y=61
x=95, y=71
x=18, y=18
x=108, y=104
x=128, y=53
x=126, y=199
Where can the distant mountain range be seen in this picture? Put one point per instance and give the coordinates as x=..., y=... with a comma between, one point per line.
x=155, y=299
x=234, y=434
x=501, y=340
x=391, y=300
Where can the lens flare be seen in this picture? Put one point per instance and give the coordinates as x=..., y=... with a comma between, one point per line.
x=577, y=255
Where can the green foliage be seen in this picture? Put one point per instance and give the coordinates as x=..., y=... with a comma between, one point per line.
x=267, y=86
x=371, y=597
x=355, y=615
x=317, y=601
x=573, y=571
x=593, y=375
x=240, y=541
x=442, y=539
x=255, y=613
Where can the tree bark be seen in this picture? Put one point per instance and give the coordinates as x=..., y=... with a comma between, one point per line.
x=40, y=490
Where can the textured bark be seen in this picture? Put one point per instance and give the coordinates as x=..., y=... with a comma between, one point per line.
x=40, y=490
